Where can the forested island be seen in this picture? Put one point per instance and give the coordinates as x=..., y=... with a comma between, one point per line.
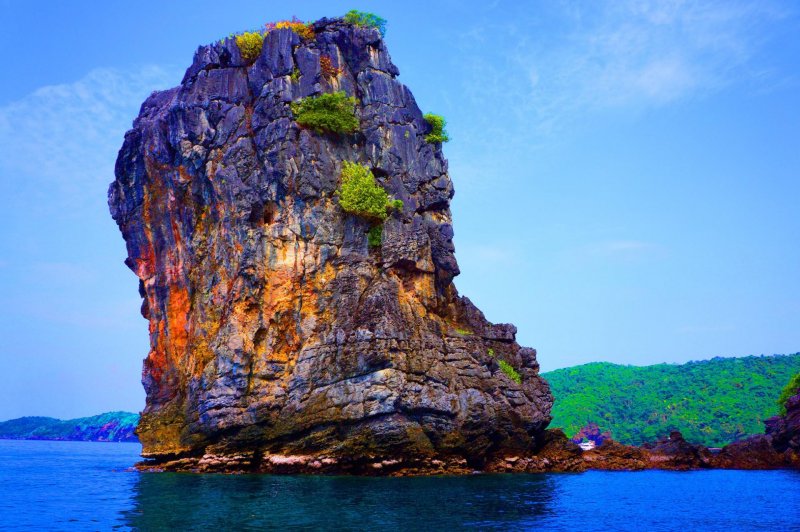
x=711, y=402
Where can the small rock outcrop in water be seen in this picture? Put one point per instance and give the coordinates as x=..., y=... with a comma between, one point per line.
x=777, y=448
x=281, y=340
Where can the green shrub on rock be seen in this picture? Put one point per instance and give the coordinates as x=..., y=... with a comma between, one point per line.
x=333, y=112
x=438, y=133
x=509, y=370
x=360, y=194
x=792, y=388
x=375, y=236
x=366, y=20
x=250, y=44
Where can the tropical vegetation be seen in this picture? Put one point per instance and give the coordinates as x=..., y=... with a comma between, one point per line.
x=375, y=236
x=360, y=194
x=366, y=20
x=250, y=44
x=111, y=426
x=332, y=112
x=437, y=124
x=509, y=370
x=713, y=402
x=791, y=388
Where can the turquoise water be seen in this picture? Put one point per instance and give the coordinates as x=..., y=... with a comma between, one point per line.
x=86, y=486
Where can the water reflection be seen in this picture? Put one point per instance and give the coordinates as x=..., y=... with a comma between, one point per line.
x=202, y=502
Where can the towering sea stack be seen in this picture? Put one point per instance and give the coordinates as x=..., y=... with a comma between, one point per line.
x=283, y=336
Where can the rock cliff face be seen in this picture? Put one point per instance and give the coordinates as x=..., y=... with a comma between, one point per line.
x=278, y=335
x=778, y=447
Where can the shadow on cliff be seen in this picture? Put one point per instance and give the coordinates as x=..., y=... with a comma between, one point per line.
x=244, y=502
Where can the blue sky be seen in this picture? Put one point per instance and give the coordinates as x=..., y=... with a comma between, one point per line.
x=626, y=175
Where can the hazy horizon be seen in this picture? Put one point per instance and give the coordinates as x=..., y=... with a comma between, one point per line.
x=626, y=176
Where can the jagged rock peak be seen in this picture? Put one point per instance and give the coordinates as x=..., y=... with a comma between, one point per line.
x=278, y=334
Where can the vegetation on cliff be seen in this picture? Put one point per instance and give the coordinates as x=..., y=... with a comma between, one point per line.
x=791, y=388
x=366, y=20
x=250, y=44
x=712, y=402
x=302, y=29
x=333, y=112
x=111, y=426
x=361, y=195
x=437, y=134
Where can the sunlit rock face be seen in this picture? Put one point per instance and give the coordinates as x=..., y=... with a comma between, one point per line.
x=275, y=329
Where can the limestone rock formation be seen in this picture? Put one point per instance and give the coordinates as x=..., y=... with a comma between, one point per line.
x=278, y=336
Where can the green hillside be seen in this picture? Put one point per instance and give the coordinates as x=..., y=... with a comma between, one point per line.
x=111, y=426
x=713, y=402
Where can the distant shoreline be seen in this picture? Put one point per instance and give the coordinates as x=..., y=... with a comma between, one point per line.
x=106, y=427
x=137, y=442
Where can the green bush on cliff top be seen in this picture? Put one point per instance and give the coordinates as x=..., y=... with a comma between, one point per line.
x=334, y=112
x=250, y=44
x=713, y=402
x=438, y=133
x=360, y=194
x=366, y=20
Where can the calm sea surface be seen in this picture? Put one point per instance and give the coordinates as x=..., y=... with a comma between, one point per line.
x=86, y=486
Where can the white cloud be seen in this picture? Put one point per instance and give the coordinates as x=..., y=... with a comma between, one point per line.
x=605, y=55
x=62, y=140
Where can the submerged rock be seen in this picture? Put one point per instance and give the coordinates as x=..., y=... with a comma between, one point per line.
x=276, y=330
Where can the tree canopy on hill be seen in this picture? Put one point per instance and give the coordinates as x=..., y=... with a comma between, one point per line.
x=111, y=426
x=713, y=402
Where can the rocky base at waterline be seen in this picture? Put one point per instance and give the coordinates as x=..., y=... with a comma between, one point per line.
x=777, y=448
x=559, y=454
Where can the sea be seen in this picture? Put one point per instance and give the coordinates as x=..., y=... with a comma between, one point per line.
x=91, y=486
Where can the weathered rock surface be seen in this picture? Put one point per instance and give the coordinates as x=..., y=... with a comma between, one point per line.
x=279, y=339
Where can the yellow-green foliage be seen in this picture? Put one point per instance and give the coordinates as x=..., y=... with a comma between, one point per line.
x=333, y=112
x=250, y=43
x=510, y=371
x=303, y=29
x=438, y=133
x=792, y=388
x=360, y=194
